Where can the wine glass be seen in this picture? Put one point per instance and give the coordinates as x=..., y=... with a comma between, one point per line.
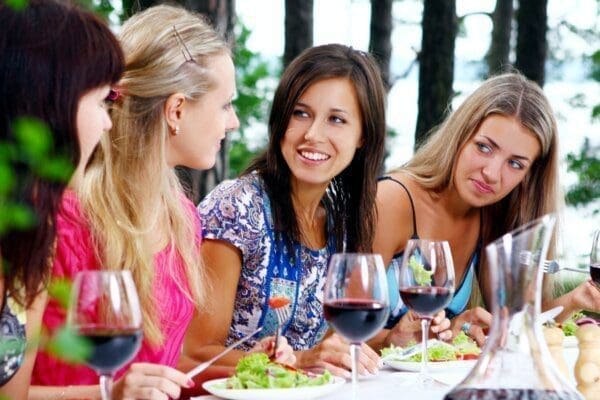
x=426, y=284
x=105, y=309
x=356, y=300
x=595, y=259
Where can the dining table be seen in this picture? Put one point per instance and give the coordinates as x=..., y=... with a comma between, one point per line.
x=390, y=382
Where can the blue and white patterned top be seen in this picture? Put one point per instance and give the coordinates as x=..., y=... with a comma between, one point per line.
x=239, y=212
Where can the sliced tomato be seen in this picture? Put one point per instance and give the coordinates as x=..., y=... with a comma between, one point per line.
x=467, y=356
x=278, y=302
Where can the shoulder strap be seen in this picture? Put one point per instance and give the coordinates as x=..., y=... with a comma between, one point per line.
x=412, y=204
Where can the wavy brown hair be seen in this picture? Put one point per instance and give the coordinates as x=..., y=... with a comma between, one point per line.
x=350, y=197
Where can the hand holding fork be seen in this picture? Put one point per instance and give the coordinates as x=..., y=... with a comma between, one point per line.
x=281, y=306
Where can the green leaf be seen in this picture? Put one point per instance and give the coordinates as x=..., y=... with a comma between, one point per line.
x=16, y=4
x=68, y=346
x=21, y=216
x=7, y=179
x=421, y=275
x=60, y=290
x=58, y=169
x=34, y=137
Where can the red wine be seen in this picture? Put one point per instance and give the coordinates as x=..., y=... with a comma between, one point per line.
x=112, y=349
x=356, y=320
x=426, y=301
x=595, y=273
x=510, y=394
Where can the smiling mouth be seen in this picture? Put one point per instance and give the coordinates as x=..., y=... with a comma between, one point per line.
x=314, y=156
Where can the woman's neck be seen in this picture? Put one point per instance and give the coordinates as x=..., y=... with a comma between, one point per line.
x=450, y=200
x=310, y=215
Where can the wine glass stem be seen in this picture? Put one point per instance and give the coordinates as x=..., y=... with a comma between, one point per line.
x=354, y=353
x=425, y=322
x=106, y=386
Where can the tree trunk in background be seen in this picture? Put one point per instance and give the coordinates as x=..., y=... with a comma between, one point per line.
x=298, y=28
x=497, y=56
x=532, y=24
x=436, y=65
x=380, y=39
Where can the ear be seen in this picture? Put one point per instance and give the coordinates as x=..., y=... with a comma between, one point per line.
x=174, y=109
x=361, y=142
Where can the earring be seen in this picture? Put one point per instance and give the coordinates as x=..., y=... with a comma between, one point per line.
x=176, y=131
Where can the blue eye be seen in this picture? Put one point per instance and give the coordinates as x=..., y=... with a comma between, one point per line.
x=300, y=113
x=516, y=164
x=484, y=148
x=337, y=119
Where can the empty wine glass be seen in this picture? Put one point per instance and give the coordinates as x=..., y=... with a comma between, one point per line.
x=356, y=300
x=426, y=284
x=595, y=259
x=105, y=309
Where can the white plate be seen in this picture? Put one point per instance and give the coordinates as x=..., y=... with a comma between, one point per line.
x=301, y=393
x=431, y=365
x=570, y=341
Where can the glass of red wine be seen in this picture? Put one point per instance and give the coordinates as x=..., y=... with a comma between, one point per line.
x=595, y=259
x=426, y=284
x=356, y=300
x=105, y=310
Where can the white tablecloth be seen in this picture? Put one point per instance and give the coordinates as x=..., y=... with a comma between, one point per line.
x=390, y=383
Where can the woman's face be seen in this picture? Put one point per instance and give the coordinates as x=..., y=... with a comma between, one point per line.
x=92, y=121
x=323, y=133
x=494, y=160
x=205, y=123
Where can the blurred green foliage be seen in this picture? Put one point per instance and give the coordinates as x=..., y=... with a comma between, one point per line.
x=32, y=150
x=254, y=93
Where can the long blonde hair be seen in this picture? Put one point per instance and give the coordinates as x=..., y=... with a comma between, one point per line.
x=512, y=95
x=129, y=191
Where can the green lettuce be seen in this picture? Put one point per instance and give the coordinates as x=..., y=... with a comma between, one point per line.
x=421, y=275
x=569, y=327
x=256, y=371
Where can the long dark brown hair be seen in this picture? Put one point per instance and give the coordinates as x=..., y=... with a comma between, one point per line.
x=51, y=55
x=350, y=197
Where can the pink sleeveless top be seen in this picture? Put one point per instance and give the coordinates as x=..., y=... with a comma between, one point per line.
x=75, y=252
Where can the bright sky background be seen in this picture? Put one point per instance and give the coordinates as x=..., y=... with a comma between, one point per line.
x=347, y=21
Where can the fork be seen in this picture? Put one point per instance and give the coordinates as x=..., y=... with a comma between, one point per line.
x=552, y=267
x=283, y=314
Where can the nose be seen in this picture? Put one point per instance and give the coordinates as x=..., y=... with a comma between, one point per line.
x=314, y=132
x=234, y=122
x=492, y=169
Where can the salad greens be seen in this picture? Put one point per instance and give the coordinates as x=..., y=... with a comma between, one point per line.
x=569, y=327
x=256, y=371
x=421, y=275
x=461, y=346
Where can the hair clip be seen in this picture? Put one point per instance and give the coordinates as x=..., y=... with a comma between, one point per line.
x=184, y=50
x=113, y=95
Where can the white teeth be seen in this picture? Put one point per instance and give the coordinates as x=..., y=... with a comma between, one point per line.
x=314, y=156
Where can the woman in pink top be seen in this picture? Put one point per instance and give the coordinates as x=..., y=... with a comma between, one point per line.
x=129, y=210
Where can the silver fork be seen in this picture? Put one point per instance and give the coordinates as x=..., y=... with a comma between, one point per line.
x=283, y=314
x=552, y=267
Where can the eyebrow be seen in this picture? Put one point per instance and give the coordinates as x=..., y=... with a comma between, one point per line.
x=494, y=144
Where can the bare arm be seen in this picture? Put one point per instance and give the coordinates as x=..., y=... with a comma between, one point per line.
x=209, y=328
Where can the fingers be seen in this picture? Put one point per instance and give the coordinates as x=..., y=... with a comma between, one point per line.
x=333, y=353
x=441, y=326
x=477, y=334
x=151, y=381
x=285, y=352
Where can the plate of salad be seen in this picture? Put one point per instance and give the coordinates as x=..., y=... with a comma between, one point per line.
x=461, y=353
x=258, y=378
